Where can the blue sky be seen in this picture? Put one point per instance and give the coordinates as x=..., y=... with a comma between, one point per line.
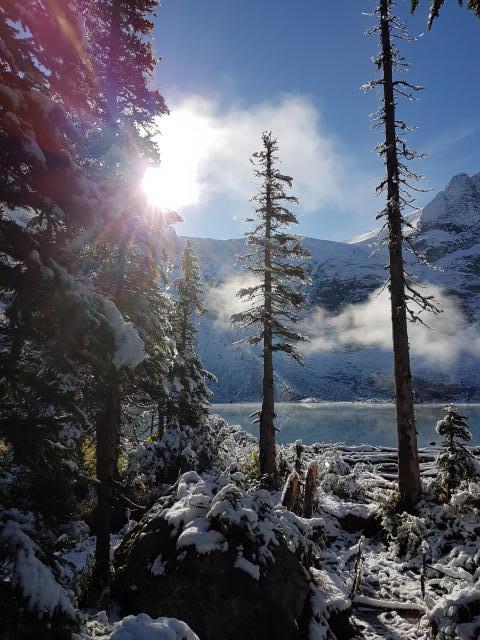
x=232, y=69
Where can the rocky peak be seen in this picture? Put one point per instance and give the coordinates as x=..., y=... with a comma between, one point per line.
x=458, y=205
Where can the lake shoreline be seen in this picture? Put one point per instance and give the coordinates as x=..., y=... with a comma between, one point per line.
x=352, y=423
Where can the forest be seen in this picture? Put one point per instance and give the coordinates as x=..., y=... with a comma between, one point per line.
x=129, y=509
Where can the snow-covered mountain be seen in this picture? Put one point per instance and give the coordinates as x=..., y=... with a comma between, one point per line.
x=349, y=357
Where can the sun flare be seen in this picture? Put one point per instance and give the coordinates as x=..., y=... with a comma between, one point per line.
x=183, y=143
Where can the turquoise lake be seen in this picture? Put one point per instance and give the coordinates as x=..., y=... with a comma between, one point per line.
x=348, y=422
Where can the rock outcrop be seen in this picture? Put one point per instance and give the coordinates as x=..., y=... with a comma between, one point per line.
x=223, y=559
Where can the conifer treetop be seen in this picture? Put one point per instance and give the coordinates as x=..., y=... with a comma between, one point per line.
x=435, y=7
x=453, y=424
x=270, y=233
x=189, y=285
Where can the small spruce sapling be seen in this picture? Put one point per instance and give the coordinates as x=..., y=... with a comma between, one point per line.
x=455, y=462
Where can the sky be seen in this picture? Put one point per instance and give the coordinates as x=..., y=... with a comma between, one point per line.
x=231, y=70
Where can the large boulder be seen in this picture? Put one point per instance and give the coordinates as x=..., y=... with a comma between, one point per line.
x=223, y=559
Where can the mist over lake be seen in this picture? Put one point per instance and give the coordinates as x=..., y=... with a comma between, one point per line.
x=348, y=422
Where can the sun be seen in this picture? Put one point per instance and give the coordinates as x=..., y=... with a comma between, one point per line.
x=184, y=142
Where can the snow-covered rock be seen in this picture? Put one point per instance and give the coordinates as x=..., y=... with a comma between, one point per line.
x=214, y=550
x=142, y=627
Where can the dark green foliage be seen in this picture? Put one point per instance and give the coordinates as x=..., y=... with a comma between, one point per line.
x=190, y=395
x=45, y=200
x=275, y=303
x=81, y=300
x=285, y=251
x=455, y=462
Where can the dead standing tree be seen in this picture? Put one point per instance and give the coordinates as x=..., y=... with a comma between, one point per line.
x=407, y=301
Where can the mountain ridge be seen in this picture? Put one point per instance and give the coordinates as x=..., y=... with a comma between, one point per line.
x=345, y=277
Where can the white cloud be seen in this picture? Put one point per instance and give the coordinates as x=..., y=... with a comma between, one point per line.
x=222, y=299
x=206, y=150
x=368, y=324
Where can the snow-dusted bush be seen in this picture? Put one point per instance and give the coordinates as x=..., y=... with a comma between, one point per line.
x=458, y=519
x=331, y=462
x=457, y=615
x=212, y=446
x=208, y=514
x=37, y=576
x=336, y=476
x=405, y=534
x=251, y=467
x=455, y=462
x=466, y=497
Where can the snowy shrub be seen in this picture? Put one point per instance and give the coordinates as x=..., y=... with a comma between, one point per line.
x=251, y=468
x=214, y=445
x=455, y=462
x=457, y=615
x=39, y=578
x=336, y=477
x=390, y=501
x=405, y=533
x=466, y=497
x=346, y=487
x=331, y=462
x=210, y=513
x=458, y=519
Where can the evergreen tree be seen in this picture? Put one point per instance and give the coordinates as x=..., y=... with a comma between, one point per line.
x=435, y=7
x=77, y=241
x=131, y=241
x=274, y=303
x=45, y=200
x=455, y=463
x=397, y=183
x=50, y=318
x=190, y=394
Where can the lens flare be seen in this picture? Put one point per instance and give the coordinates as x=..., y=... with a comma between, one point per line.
x=184, y=143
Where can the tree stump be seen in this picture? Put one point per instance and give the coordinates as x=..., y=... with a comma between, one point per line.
x=291, y=491
x=310, y=486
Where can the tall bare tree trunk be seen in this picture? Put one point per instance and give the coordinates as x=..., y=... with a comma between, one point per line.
x=106, y=468
x=408, y=465
x=107, y=428
x=267, y=429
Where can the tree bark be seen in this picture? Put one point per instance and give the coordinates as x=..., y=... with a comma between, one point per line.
x=106, y=428
x=310, y=487
x=161, y=422
x=408, y=465
x=108, y=422
x=267, y=429
x=291, y=491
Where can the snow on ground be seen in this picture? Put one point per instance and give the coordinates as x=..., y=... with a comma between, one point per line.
x=140, y=627
x=398, y=552
x=401, y=573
